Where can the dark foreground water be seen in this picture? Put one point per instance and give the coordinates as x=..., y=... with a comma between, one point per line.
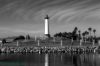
x=36, y=59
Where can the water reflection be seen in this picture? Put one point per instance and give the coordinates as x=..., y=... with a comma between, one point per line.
x=46, y=60
x=75, y=58
x=36, y=59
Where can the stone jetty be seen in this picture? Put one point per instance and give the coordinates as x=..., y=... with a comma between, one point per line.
x=63, y=49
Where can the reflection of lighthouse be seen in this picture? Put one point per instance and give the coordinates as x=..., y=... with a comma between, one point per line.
x=46, y=60
x=47, y=26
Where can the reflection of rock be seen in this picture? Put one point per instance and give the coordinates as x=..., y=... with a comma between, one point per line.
x=67, y=59
x=75, y=60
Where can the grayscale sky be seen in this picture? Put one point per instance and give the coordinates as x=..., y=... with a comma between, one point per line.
x=27, y=16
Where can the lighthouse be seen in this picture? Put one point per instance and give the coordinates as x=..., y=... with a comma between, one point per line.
x=47, y=26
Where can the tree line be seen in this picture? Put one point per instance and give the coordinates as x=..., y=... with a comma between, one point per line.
x=76, y=34
x=18, y=38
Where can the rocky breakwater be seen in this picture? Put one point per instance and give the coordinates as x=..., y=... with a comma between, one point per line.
x=67, y=49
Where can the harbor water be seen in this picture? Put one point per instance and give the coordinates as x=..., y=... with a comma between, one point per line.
x=49, y=59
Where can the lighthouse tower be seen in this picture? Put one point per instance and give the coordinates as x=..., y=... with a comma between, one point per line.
x=47, y=26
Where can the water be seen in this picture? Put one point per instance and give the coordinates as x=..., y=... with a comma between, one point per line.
x=36, y=59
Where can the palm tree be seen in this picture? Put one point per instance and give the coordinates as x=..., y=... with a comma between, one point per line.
x=86, y=33
x=79, y=34
x=74, y=33
x=94, y=30
x=75, y=30
x=90, y=29
x=83, y=34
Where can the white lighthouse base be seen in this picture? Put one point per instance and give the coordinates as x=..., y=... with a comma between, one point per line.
x=47, y=35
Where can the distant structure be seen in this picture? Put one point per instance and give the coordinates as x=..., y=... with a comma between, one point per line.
x=47, y=34
x=27, y=37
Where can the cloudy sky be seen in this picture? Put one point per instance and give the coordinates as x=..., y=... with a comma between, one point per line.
x=27, y=16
